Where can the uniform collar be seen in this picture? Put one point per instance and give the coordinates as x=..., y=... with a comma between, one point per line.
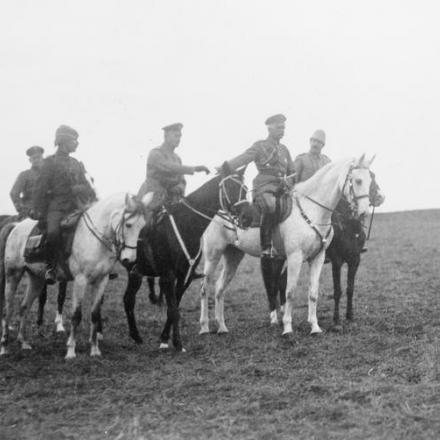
x=273, y=141
x=62, y=153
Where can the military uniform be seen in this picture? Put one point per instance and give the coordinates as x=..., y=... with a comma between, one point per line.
x=61, y=188
x=165, y=176
x=307, y=164
x=273, y=162
x=23, y=190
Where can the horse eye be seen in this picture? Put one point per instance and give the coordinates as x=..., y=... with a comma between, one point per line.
x=358, y=181
x=128, y=225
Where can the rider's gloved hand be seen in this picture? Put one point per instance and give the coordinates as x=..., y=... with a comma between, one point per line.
x=200, y=168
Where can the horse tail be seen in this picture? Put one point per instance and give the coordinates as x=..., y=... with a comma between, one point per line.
x=4, y=234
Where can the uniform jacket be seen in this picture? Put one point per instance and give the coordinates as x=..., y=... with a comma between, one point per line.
x=62, y=185
x=23, y=190
x=307, y=164
x=273, y=161
x=165, y=174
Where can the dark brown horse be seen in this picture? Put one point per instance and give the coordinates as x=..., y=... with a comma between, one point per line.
x=173, y=249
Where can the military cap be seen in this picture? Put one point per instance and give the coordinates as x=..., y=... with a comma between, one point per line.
x=319, y=135
x=64, y=132
x=34, y=150
x=173, y=127
x=275, y=119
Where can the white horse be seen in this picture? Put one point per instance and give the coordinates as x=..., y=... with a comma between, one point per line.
x=303, y=236
x=107, y=232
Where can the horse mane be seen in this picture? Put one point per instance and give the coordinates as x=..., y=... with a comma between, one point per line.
x=313, y=183
x=209, y=186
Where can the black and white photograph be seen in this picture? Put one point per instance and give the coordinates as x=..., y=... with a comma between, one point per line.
x=219, y=220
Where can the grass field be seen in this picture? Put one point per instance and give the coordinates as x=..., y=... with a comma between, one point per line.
x=379, y=378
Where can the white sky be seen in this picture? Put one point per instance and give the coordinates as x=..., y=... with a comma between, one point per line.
x=367, y=72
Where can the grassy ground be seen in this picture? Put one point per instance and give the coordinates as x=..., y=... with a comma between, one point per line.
x=379, y=378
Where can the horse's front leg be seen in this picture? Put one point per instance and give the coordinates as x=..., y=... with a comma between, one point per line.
x=34, y=288
x=294, y=263
x=133, y=285
x=97, y=288
x=315, y=273
x=168, y=285
x=11, y=284
x=351, y=274
x=337, y=291
x=62, y=289
x=206, y=287
x=79, y=288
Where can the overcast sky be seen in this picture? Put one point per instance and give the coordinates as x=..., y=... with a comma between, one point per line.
x=367, y=72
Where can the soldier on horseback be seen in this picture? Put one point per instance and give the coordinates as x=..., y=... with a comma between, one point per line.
x=306, y=164
x=23, y=189
x=62, y=188
x=274, y=165
x=165, y=173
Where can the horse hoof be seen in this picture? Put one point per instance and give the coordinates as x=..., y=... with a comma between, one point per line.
x=287, y=332
x=316, y=331
x=163, y=346
x=222, y=331
x=70, y=355
x=4, y=351
x=95, y=351
x=273, y=318
x=26, y=346
x=183, y=350
x=99, y=336
x=60, y=328
x=204, y=331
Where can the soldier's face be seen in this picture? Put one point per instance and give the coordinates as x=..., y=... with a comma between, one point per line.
x=71, y=145
x=173, y=137
x=36, y=160
x=277, y=130
x=316, y=146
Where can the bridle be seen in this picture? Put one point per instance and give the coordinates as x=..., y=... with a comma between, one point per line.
x=117, y=243
x=353, y=198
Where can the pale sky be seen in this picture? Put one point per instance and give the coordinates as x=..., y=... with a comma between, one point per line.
x=367, y=72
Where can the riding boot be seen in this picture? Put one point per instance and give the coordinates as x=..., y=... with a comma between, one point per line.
x=266, y=229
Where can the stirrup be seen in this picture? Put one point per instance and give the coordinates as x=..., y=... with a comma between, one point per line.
x=50, y=276
x=269, y=253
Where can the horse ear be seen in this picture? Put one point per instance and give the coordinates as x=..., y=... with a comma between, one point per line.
x=371, y=161
x=130, y=203
x=361, y=160
x=226, y=169
x=146, y=200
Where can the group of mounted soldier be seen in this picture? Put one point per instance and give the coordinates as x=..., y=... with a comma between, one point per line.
x=55, y=186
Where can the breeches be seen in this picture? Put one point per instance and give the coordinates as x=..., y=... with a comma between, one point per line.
x=53, y=232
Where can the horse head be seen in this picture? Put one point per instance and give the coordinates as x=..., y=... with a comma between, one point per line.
x=357, y=186
x=232, y=190
x=126, y=224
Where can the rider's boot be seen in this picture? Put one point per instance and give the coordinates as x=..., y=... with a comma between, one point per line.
x=266, y=228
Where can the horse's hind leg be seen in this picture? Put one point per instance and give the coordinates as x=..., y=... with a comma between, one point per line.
x=337, y=291
x=34, y=289
x=211, y=263
x=98, y=289
x=11, y=284
x=271, y=270
x=78, y=292
x=133, y=285
x=351, y=274
x=62, y=289
x=231, y=259
x=42, y=299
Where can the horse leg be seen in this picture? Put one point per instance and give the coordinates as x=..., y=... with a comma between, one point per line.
x=271, y=271
x=351, y=274
x=231, y=259
x=294, y=263
x=133, y=285
x=99, y=317
x=35, y=287
x=337, y=292
x=211, y=262
x=168, y=285
x=78, y=291
x=282, y=288
x=315, y=272
x=62, y=289
x=42, y=299
x=11, y=284
x=97, y=288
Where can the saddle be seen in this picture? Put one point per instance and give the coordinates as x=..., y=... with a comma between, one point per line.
x=282, y=210
x=36, y=250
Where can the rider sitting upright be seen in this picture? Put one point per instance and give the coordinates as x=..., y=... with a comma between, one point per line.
x=165, y=172
x=274, y=165
x=61, y=189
